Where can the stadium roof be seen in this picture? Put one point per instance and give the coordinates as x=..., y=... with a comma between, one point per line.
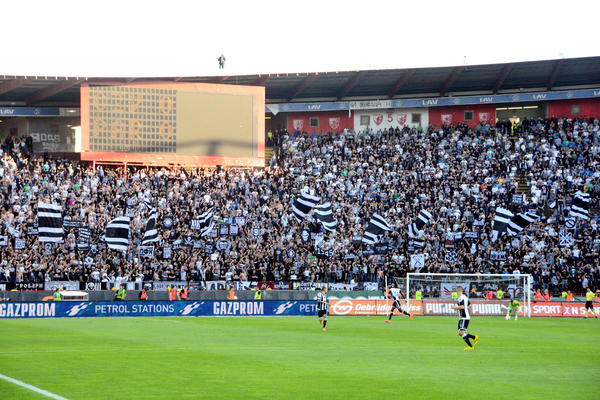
x=337, y=85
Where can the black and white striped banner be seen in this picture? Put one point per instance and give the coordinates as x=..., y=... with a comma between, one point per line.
x=324, y=215
x=117, y=234
x=520, y=222
x=50, y=223
x=151, y=232
x=415, y=230
x=501, y=220
x=581, y=206
x=303, y=204
x=204, y=223
x=207, y=222
x=376, y=227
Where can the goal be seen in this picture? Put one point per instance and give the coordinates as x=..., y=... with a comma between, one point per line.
x=439, y=287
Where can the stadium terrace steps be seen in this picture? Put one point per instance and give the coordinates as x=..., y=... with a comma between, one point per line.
x=268, y=155
x=523, y=187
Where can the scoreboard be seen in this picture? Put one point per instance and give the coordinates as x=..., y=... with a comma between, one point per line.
x=188, y=124
x=135, y=119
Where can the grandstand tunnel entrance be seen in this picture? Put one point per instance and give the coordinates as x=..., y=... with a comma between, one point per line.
x=519, y=112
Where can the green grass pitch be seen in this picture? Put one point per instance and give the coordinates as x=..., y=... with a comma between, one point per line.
x=291, y=358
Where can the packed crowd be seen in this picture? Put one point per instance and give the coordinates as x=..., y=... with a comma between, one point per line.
x=457, y=173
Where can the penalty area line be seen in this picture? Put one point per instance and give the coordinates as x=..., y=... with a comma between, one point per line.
x=32, y=388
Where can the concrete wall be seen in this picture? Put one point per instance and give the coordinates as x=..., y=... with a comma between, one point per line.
x=13, y=126
x=448, y=115
x=574, y=108
x=328, y=121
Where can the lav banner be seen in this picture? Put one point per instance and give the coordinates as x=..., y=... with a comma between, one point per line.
x=73, y=309
x=434, y=101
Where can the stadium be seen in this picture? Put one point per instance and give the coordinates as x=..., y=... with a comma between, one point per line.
x=297, y=235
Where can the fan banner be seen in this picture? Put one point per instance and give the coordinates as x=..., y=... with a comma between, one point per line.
x=146, y=251
x=271, y=285
x=448, y=287
x=417, y=261
x=63, y=285
x=334, y=123
x=343, y=286
x=299, y=125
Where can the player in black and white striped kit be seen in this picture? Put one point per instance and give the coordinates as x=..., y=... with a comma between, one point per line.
x=394, y=294
x=322, y=307
x=464, y=316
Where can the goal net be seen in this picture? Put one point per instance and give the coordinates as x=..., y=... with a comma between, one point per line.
x=490, y=294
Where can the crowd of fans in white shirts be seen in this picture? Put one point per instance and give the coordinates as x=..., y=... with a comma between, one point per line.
x=457, y=173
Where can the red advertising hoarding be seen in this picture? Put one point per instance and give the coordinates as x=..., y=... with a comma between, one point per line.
x=368, y=307
x=444, y=307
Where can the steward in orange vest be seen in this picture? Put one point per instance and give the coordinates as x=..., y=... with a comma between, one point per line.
x=569, y=296
x=231, y=295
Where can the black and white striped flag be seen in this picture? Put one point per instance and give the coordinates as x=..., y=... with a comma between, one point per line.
x=324, y=215
x=303, y=204
x=148, y=204
x=501, y=220
x=424, y=218
x=206, y=222
x=415, y=229
x=580, y=208
x=50, y=223
x=151, y=232
x=376, y=227
x=117, y=233
x=520, y=222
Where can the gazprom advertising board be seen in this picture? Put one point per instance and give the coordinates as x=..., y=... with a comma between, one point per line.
x=155, y=309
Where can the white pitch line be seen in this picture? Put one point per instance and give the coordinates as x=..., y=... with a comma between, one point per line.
x=32, y=388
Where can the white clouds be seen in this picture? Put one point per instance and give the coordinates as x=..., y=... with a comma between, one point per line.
x=173, y=38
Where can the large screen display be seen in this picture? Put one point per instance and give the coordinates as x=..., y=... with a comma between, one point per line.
x=190, y=124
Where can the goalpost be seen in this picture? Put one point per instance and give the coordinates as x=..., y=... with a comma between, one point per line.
x=439, y=286
x=386, y=293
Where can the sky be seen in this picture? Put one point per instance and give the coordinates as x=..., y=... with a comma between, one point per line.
x=89, y=38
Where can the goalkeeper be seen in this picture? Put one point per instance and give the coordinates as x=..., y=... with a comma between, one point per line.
x=515, y=306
